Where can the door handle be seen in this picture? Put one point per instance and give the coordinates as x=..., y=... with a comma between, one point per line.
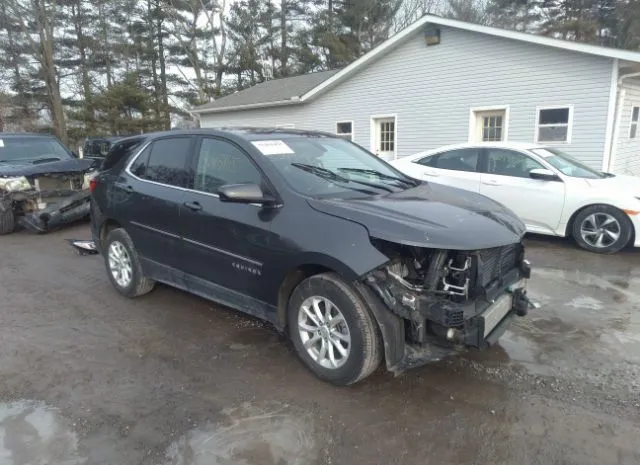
x=431, y=173
x=193, y=206
x=491, y=182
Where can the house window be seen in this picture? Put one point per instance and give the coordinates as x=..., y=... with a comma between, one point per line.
x=384, y=135
x=634, y=122
x=554, y=124
x=345, y=130
x=489, y=124
x=387, y=136
x=492, y=127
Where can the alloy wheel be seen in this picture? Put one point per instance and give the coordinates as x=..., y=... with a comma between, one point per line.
x=324, y=332
x=600, y=230
x=120, y=264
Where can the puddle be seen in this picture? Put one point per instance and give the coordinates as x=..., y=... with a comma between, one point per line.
x=250, y=435
x=33, y=434
x=585, y=321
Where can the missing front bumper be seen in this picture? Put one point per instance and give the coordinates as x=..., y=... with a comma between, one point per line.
x=423, y=330
x=67, y=210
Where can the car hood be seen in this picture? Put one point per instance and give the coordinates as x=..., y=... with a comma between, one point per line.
x=431, y=215
x=28, y=168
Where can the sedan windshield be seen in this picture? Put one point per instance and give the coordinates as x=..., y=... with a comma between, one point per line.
x=568, y=165
x=325, y=166
x=31, y=148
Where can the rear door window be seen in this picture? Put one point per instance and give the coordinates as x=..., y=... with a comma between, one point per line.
x=457, y=160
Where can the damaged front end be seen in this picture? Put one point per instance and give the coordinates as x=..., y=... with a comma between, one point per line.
x=46, y=201
x=446, y=300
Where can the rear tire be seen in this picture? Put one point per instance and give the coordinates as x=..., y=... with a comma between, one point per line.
x=7, y=221
x=602, y=229
x=123, y=265
x=335, y=313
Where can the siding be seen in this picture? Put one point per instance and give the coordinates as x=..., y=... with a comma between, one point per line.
x=260, y=117
x=432, y=89
x=627, y=157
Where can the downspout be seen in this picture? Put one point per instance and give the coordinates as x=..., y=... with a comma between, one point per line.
x=608, y=162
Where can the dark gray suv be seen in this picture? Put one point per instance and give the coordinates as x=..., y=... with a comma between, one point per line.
x=355, y=261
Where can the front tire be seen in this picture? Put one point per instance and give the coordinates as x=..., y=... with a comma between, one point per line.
x=123, y=265
x=333, y=331
x=602, y=229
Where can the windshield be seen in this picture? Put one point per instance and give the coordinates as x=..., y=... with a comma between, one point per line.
x=568, y=165
x=325, y=166
x=31, y=148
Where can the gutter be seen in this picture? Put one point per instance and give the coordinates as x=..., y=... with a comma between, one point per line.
x=609, y=161
x=292, y=101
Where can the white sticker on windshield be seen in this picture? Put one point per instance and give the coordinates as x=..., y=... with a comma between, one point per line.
x=272, y=147
x=1, y=143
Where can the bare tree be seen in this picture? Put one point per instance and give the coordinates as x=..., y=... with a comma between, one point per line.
x=215, y=13
x=36, y=19
x=412, y=10
x=471, y=11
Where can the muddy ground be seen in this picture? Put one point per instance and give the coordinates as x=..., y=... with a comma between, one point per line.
x=88, y=377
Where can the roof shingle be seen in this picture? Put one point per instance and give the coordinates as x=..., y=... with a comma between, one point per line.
x=275, y=90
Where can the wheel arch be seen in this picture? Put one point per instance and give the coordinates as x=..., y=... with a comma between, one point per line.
x=308, y=265
x=390, y=326
x=107, y=226
x=572, y=219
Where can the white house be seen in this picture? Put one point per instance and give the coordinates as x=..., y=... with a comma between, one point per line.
x=442, y=81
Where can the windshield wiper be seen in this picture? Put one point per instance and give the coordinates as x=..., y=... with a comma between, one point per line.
x=377, y=174
x=319, y=171
x=331, y=176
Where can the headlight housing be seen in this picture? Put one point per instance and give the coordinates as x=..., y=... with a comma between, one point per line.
x=16, y=184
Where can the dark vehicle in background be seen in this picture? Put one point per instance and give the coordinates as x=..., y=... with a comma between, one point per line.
x=43, y=184
x=96, y=148
x=355, y=261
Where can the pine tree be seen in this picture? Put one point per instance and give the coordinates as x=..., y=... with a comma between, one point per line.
x=247, y=29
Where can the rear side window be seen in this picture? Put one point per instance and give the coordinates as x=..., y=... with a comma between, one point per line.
x=428, y=161
x=455, y=160
x=139, y=166
x=120, y=151
x=167, y=161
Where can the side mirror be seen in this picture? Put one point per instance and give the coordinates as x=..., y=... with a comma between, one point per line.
x=543, y=174
x=245, y=193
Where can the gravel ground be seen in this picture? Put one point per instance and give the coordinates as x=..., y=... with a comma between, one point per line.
x=89, y=377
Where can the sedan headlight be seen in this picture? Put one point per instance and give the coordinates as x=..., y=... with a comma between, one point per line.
x=14, y=184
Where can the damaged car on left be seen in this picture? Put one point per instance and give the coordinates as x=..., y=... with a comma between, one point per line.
x=43, y=185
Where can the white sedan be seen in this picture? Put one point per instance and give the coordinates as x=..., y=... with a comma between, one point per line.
x=551, y=191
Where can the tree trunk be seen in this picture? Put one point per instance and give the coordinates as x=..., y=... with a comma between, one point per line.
x=283, y=39
x=166, y=117
x=105, y=44
x=47, y=63
x=89, y=117
x=154, y=63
